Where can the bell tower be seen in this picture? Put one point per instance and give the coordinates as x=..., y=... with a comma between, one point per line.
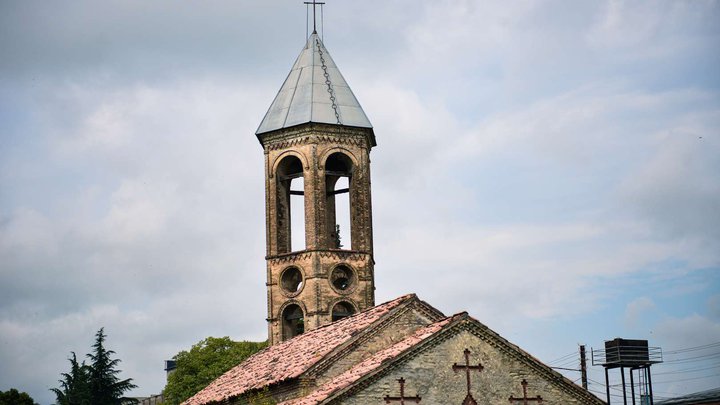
x=317, y=140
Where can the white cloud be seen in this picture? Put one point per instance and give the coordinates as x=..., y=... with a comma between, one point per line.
x=529, y=156
x=635, y=309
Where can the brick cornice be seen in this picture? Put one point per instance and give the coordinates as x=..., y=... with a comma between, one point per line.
x=317, y=133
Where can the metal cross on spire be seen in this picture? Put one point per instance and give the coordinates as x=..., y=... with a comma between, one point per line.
x=314, y=4
x=469, y=400
x=525, y=400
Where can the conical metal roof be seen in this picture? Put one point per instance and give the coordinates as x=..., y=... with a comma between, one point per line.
x=314, y=91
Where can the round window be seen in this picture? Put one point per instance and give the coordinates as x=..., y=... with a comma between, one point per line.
x=291, y=280
x=342, y=278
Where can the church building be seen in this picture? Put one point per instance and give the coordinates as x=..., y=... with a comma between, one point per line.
x=329, y=342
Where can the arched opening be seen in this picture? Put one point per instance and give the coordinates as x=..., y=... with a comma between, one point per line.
x=293, y=321
x=342, y=278
x=338, y=183
x=290, y=205
x=342, y=310
x=291, y=280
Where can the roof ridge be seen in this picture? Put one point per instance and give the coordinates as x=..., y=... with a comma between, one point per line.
x=516, y=351
x=420, y=340
x=346, y=319
x=377, y=362
x=291, y=358
x=367, y=333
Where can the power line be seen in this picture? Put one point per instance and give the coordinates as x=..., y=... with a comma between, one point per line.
x=566, y=369
x=687, y=370
x=688, y=379
x=691, y=349
x=563, y=358
x=693, y=359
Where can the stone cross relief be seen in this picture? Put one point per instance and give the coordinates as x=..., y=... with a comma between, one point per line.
x=525, y=400
x=402, y=398
x=469, y=400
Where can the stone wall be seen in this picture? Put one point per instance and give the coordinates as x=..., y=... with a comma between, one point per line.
x=312, y=144
x=430, y=375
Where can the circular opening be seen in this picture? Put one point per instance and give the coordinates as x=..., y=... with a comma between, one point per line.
x=291, y=280
x=342, y=278
x=342, y=310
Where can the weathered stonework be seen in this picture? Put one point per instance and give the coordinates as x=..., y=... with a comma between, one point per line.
x=306, y=150
x=429, y=374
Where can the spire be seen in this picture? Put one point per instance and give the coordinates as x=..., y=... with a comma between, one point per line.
x=314, y=91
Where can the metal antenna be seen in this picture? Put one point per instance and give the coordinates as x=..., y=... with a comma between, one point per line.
x=314, y=4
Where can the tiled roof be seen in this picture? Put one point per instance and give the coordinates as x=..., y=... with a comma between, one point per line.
x=360, y=370
x=291, y=358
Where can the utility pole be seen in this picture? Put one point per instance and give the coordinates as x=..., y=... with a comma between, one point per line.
x=583, y=368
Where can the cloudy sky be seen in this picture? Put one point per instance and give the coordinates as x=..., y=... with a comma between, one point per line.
x=551, y=167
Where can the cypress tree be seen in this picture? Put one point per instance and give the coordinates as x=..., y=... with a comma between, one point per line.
x=105, y=387
x=74, y=386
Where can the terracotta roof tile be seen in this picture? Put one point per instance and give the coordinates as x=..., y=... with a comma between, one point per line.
x=347, y=378
x=291, y=358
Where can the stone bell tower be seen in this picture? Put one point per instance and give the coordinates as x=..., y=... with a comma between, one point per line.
x=317, y=141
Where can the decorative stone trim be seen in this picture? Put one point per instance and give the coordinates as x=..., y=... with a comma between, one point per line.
x=362, y=137
x=289, y=258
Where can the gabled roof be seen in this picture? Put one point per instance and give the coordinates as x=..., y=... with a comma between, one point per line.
x=293, y=357
x=365, y=367
x=303, y=355
x=314, y=91
x=373, y=366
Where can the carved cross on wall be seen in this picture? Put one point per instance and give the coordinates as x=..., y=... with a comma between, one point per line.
x=402, y=398
x=525, y=400
x=469, y=400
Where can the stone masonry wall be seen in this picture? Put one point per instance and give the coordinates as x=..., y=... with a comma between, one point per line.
x=312, y=144
x=430, y=375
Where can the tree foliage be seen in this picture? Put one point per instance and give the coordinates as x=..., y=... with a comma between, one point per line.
x=75, y=385
x=15, y=397
x=95, y=383
x=105, y=386
x=206, y=361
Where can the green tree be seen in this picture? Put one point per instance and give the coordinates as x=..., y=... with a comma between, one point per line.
x=105, y=387
x=15, y=397
x=74, y=386
x=96, y=383
x=206, y=361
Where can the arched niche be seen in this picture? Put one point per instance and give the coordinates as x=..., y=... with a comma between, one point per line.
x=290, y=204
x=339, y=168
x=342, y=309
x=293, y=321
